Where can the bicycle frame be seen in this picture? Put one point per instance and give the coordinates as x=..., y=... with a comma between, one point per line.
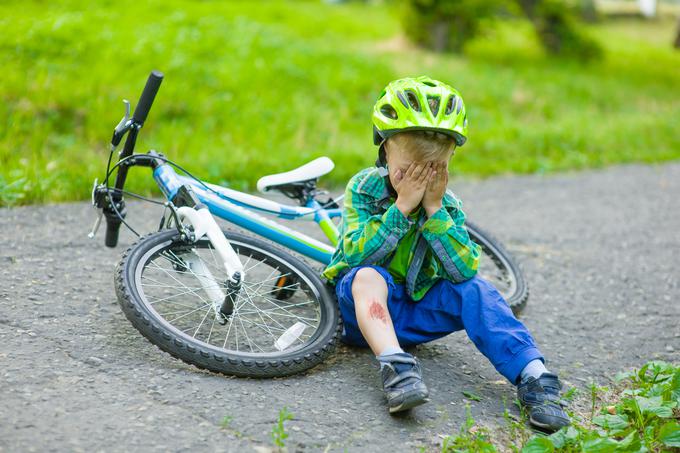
x=243, y=210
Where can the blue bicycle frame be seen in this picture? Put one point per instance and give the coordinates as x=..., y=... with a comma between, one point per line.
x=243, y=210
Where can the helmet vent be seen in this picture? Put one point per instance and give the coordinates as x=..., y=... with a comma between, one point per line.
x=430, y=84
x=433, y=102
x=459, y=107
x=402, y=99
x=388, y=111
x=413, y=100
x=451, y=104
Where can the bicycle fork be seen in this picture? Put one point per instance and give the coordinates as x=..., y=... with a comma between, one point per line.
x=203, y=223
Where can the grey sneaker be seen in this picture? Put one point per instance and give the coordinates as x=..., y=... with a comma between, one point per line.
x=402, y=382
x=542, y=399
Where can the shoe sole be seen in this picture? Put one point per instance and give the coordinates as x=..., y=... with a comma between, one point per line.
x=410, y=401
x=545, y=426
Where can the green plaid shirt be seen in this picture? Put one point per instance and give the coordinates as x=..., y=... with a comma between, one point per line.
x=373, y=228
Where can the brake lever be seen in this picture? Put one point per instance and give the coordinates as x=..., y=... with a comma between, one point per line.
x=95, y=227
x=123, y=126
x=95, y=204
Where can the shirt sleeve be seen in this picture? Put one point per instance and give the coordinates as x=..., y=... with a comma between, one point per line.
x=367, y=237
x=446, y=233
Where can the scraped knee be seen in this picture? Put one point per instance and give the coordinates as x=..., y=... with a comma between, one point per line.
x=368, y=280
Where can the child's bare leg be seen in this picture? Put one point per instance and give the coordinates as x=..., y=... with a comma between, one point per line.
x=369, y=291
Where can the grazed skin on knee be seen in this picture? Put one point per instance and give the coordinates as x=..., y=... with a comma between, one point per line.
x=369, y=290
x=377, y=311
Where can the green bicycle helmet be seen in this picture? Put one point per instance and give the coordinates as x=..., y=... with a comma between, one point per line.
x=419, y=103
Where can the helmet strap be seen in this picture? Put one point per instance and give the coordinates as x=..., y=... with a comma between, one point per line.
x=381, y=162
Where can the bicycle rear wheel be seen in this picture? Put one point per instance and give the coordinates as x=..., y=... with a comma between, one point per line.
x=166, y=288
x=500, y=268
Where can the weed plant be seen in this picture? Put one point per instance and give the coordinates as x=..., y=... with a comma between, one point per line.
x=640, y=413
x=279, y=434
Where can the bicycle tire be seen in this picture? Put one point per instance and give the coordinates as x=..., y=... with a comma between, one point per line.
x=180, y=345
x=492, y=247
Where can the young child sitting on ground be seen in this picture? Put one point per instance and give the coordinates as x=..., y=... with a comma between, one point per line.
x=405, y=266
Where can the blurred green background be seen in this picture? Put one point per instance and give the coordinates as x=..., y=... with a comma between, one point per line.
x=258, y=87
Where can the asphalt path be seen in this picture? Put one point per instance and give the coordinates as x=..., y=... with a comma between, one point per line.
x=600, y=250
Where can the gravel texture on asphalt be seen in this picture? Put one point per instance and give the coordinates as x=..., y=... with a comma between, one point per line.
x=600, y=250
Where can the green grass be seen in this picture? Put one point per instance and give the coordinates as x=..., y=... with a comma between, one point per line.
x=258, y=87
x=640, y=413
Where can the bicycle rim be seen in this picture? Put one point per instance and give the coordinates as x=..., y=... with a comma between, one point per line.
x=169, y=285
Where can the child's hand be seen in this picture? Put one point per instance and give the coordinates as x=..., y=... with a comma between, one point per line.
x=411, y=186
x=436, y=188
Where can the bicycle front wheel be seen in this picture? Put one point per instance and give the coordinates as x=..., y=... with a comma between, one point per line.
x=282, y=321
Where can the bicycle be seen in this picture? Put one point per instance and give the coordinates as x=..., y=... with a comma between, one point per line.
x=229, y=302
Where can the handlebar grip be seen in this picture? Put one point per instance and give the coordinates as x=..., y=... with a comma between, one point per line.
x=153, y=83
x=112, y=230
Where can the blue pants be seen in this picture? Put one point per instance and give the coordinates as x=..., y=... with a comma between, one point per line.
x=474, y=305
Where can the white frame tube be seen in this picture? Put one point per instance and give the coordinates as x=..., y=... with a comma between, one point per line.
x=205, y=225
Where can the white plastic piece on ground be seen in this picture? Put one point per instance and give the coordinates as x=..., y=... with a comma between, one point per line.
x=311, y=170
x=289, y=337
x=205, y=225
x=210, y=285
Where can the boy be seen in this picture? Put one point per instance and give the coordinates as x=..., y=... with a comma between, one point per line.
x=405, y=267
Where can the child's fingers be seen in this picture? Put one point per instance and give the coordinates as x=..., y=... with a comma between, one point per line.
x=412, y=169
x=425, y=174
x=442, y=173
x=418, y=171
x=431, y=181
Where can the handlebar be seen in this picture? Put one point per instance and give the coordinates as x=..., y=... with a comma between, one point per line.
x=113, y=221
x=153, y=83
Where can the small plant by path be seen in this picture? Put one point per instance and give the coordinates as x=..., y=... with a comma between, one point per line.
x=472, y=438
x=642, y=416
x=471, y=396
x=640, y=413
x=279, y=434
x=226, y=421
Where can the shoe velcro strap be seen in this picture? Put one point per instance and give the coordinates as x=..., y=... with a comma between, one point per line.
x=549, y=382
x=534, y=398
x=402, y=377
x=398, y=358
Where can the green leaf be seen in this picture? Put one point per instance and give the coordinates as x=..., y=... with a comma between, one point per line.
x=659, y=366
x=622, y=375
x=669, y=434
x=471, y=396
x=571, y=434
x=630, y=443
x=538, y=445
x=660, y=411
x=600, y=445
x=675, y=386
x=613, y=422
x=632, y=392
x=654, y=406
x=643, y=371
x=559, y=438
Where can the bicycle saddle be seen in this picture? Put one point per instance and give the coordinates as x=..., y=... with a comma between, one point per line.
x=307, y=172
